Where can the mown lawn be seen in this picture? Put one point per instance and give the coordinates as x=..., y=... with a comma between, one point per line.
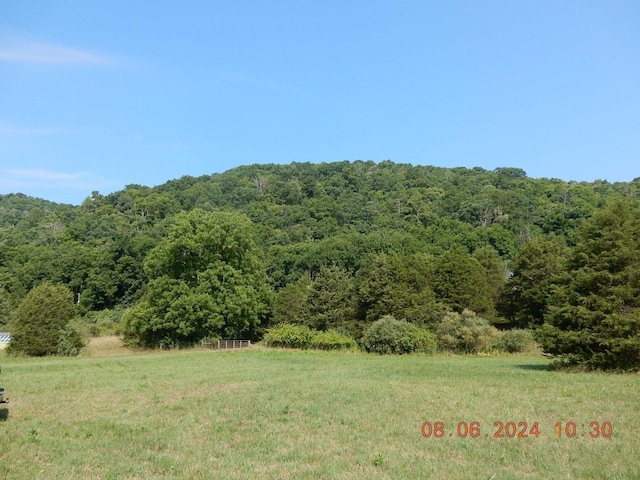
x=287, y=414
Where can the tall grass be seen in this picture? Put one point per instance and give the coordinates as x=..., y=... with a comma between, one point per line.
x=305, y=414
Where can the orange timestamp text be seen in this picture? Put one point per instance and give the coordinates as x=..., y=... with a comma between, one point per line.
x=512, y=429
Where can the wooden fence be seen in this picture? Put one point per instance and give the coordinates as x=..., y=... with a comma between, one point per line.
x=226, y=344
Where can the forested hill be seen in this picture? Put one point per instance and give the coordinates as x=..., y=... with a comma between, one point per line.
x=306, y=217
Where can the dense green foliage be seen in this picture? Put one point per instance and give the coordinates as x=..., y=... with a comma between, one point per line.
x=389, y=335
x=303, y=337
x=535, y=269
x=40, y=326
x=459, y=281
x=332, y=340
x=288, y=336
x=342, y=244
x=594, y=315
x=397, y=285
x=205, y=280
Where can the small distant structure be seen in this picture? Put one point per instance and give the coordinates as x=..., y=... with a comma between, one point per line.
x=5, y=338
x=226, y=344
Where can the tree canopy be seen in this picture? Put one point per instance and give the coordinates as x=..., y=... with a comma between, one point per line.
x=203, y=256
x=206, y=280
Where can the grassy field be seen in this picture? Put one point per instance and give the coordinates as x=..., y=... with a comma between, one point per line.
x=286, y=414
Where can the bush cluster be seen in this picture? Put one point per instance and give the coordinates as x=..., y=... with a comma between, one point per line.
x=389, y=335
x=301, y=336
x=515, y=341
x=457, y=332
x=69, y=342
x=332, y=340
x=466, y=333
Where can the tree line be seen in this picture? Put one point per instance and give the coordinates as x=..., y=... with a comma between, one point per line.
x=339, y=246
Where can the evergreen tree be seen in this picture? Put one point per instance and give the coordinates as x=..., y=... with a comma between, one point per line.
x=41, y=321
x=460, y=282
x=292, y=303
x=534, y=270
x=391, y=284
x=331, y=300
x=594, y=318
x=495, y=269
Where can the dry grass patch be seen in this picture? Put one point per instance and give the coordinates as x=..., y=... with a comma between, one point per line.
x=104, y=346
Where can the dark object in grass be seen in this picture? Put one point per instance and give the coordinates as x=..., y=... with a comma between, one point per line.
x=2, y=399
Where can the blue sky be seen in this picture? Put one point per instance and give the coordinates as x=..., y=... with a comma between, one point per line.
x=98, y=95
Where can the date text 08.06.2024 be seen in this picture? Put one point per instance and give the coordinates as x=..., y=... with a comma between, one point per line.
x=516, y=430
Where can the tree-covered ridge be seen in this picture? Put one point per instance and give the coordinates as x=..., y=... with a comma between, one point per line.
x=342, y=244
x=321, y=198
x=306, y=216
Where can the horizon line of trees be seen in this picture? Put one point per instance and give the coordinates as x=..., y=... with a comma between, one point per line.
x=340, y=246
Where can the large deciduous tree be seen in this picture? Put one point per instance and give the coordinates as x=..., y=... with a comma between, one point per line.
x=594, y=318
x=206, y=280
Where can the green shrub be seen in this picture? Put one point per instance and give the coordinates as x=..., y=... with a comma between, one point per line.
x=419, y=340
x=69, y=342
x=332, y=340
x=301, y=336
x=389, y=335
x=515, y=341
x=289, y=336
x=466, y=333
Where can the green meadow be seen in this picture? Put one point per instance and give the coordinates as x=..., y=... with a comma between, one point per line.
x=260, y=413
